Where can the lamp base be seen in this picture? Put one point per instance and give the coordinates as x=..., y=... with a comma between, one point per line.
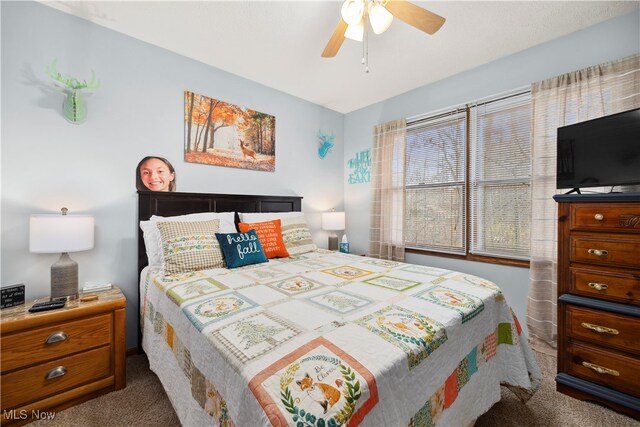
x=333, y=243
x=64, y=278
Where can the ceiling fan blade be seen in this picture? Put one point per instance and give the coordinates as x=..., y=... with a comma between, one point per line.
x=335, y=41
x=415, y=16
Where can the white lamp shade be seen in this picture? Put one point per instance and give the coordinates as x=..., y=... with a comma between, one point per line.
x=380, y=18
x=352, y=11
x=60, y=233
x=355, y=31
x=333, y=221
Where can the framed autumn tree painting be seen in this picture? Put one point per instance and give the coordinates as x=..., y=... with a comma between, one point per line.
x=223, y=134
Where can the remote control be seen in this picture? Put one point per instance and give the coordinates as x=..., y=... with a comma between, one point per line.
x=48, y=305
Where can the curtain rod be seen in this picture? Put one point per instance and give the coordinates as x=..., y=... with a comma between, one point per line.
x=444, y=111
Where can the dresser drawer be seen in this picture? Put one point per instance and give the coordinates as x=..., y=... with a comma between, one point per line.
x=51, y=342
x=617, y=287
x=612, y=217
x=604, y=328
x=603, y=367
x=599, y=251
x=29, y=385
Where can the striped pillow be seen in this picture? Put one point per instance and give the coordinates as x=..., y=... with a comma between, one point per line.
x=189, y=246
x=296, y=235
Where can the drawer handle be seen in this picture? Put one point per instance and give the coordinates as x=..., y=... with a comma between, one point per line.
x=56, y=337
x=600, y=329
x=598, y=286
x=56, y=372
x=601, y=369
x=598, y=217
x=598, y=252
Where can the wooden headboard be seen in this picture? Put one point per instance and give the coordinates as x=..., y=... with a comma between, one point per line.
x=173, y=203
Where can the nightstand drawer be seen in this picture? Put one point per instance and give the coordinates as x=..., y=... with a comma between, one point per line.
x=604, y=328
x=610, y=369
x=613, y=217
x=28, y=385
x=51, y=342
x=599, y=251
x=618, y=287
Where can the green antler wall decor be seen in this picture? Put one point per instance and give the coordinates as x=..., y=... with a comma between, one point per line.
x=73, y=106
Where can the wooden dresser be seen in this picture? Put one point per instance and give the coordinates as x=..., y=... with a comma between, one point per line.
x=56, y=359
x=599, y=299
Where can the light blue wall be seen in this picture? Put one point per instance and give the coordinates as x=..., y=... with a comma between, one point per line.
x=607, y=41
x=48, y=163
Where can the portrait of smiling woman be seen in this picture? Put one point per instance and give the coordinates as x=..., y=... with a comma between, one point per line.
x=155, y=174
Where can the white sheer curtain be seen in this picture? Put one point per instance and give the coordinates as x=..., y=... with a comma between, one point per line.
x=386, y=237
x=566, y=99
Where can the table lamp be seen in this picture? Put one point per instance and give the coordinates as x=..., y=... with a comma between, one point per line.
x=61, y=234
x=333, y=221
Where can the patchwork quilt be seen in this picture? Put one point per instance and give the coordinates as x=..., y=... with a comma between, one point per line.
x=328, y=339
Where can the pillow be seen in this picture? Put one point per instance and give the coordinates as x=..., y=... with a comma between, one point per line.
x=296, y=235
x=241, y=248
x=151, y=236
x=270, y=236
x=189, y=246
x=266, y=216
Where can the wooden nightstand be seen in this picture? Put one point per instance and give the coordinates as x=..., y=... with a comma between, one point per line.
x=56, y=359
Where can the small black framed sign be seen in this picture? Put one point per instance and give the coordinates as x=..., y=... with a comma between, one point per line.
x=11, y=295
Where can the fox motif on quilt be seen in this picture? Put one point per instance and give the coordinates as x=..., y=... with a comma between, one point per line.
x=324, y=394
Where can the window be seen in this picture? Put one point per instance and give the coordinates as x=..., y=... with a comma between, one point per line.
x=468, y=180
x=500, y=177
x=435, y=189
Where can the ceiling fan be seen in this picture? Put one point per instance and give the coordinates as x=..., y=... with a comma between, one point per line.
x=380, y=13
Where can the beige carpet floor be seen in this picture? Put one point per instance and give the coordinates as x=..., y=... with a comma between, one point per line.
x=144, y=403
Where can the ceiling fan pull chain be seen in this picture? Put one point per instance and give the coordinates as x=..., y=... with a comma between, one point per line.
x=366, y=45
x=366, y=65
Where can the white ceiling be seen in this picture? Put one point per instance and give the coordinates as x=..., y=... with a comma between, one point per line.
x=278, y=44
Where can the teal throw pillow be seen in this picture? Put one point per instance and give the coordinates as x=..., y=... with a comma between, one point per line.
x=241, y=248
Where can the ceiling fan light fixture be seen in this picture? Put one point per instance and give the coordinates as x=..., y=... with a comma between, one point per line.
x=352, y=11
x=355, y=32
x=379, y=17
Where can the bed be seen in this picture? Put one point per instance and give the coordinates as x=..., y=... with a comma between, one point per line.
x=323, y=338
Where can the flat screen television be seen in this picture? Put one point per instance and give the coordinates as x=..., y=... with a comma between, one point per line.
x=600, y=153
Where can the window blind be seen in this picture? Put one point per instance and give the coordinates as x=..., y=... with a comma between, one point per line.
x=500, y=174
x=435, y=174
